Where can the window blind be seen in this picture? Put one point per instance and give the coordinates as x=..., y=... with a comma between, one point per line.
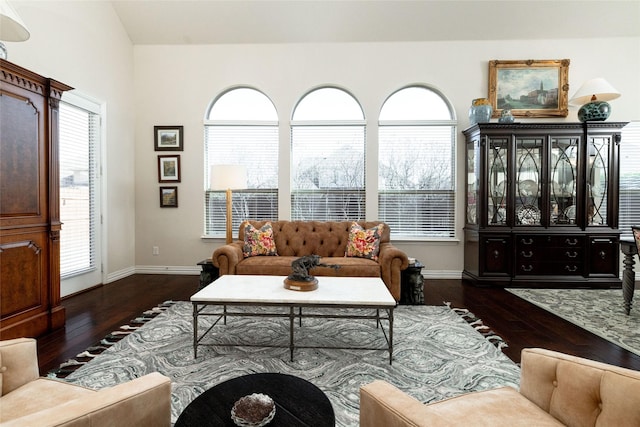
x=416, y=179
x=79, y=134
x=328, y=172
x=629, y=208
x=251, y=145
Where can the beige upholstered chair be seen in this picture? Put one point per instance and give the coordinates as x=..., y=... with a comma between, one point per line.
x=635, y=229
x=555, y=390
x=29, y=400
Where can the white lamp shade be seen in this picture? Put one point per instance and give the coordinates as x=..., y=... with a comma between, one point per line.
x=227, y=177
x=12, y=29
x=598, y=87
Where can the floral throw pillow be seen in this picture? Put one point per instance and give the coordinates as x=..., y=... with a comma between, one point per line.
x=364, y=243
x=259, y=242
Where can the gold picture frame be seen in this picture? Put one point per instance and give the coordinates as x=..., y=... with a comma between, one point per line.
x=529, y=88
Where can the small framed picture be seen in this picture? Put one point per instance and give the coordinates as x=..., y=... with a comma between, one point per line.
x=168, y=197
x=168, y=138
x=529, y=88
x=169, y=168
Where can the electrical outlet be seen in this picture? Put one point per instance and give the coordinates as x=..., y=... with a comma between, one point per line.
x=156, y=250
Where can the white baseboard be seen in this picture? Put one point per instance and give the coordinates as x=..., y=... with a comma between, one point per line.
x=168, y=269
x=441, y=274
x=195, y=270
x=120, y=274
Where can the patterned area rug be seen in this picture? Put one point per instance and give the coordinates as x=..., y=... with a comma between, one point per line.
x=599, y=311
x=436, y=355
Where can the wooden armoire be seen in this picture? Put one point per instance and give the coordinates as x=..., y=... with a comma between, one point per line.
x=29, y=203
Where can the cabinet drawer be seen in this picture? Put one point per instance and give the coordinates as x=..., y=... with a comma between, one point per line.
x=561, y=241
x=559, y=255
x=537, y=267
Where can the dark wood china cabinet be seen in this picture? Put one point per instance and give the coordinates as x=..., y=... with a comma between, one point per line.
x=542, y=204
x=29, y=206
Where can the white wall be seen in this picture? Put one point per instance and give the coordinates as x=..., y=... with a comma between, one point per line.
x=84, y=45
x=175, y=84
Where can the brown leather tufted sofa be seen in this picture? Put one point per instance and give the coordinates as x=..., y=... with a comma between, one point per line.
x=556, y=389
x=325, y=238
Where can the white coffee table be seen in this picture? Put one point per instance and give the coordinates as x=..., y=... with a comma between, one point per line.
x=263, y=291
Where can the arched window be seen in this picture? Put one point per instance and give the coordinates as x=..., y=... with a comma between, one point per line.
x=241, y=128
x=416, y=164
x=327, y=154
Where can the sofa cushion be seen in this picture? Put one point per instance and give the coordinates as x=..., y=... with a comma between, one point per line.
x=281, y=266
x=38, y=395
x=364, y=243
x=259, y=241
x=503, y=406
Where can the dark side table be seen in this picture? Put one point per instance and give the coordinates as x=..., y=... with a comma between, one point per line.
x=629, y=249
x=298, y=402
x=412, y=285
x=208, y=274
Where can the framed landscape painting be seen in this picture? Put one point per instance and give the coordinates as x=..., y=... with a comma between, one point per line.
x=169, y=168
x=529, y=88
x=168, y=138
x=168, y=197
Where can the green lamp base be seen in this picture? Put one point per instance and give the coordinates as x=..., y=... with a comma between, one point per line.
x=597, y=111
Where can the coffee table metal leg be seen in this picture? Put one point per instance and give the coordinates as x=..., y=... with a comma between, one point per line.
x=390, y=336
x=291, y=321
x=195, y=331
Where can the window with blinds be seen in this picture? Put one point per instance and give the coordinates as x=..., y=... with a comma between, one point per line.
x=242, y=129
x=629, y=212
x=416, y=164
x=328, y=157
x=79, y=138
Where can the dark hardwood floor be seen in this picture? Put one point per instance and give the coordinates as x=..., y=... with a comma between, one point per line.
x=94, y=314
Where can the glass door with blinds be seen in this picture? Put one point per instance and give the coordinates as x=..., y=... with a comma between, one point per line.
x=629, y=193
x=80, y=255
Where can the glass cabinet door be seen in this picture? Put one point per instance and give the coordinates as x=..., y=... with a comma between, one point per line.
x=528, y=175
x=597, y=180
x=563, y=172
x=472, y=184
x=497, y=175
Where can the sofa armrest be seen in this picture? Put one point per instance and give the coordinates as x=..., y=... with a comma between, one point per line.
x=227, y=257
x=18, y=363
x=392, y=261
x=384, y=405
x=142, y=402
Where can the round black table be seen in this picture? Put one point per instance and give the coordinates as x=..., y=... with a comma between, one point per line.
x=298, y=402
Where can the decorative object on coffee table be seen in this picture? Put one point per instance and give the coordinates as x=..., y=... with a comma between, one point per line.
x=300, y=279
x=297, y=402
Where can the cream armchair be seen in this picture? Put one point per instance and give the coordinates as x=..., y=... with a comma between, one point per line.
x=555, y=390
x=29, y=400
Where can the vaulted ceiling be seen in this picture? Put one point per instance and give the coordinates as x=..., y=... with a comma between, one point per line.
x=309, y=21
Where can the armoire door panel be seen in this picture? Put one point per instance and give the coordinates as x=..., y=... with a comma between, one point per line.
x=24, y=266
x=21, y=157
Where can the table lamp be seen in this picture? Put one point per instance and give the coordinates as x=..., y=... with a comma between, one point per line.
x=228, y=177
x=593, y=96
x=12, y=29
